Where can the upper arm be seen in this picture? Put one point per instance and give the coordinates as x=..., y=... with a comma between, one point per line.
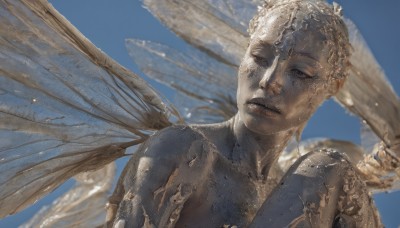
x=159, y=178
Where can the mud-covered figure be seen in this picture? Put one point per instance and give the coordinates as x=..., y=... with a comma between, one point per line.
x=68, y=110
x=222, y=175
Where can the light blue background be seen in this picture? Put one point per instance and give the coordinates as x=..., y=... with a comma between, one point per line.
x=107, y=23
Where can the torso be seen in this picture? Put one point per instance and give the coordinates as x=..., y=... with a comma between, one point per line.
x=229, y=197
x=194, y=176
x=204, y=186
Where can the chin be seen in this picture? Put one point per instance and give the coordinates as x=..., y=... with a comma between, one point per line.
x=262, y=125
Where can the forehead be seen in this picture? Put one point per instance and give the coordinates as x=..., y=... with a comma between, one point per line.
x=288, y=28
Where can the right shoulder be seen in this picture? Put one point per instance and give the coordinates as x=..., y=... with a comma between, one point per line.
x=172, y=142
x=177, y=148
x=163, y=175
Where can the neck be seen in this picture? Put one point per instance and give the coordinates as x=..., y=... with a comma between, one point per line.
x=257, y=152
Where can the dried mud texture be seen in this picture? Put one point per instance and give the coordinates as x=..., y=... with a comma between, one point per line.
x=322, y=189
x=159, y=179
x=380, y=170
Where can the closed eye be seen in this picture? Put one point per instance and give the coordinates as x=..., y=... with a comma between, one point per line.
x=300, y=74
x=262, y=61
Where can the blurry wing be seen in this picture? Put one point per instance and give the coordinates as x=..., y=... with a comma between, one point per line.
x=217, y=27
x=380, y=168
x=65, y=107
x=207, y=87
x=82, y=206
x=369, y=140
x=367, y=92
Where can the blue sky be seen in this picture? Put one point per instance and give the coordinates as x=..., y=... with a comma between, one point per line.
x=108, y=23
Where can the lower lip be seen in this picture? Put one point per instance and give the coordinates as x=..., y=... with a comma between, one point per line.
x=262, y=110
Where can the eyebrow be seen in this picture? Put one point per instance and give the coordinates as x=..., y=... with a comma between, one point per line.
x=264, y=44
x=307, y=55
x=272, y=48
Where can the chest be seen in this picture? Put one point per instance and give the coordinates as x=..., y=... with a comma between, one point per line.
x=229, y=197
x=235, y=197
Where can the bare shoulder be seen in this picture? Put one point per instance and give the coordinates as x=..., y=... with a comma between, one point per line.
x=173, y=143
x=161, y=176
x=177, y=147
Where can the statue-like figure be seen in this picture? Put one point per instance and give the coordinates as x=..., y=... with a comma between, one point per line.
x=66, y=108
x=220, y=175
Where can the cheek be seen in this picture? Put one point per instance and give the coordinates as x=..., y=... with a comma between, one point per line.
x=247, y=76
x=246, y=68
x=316, y=96
x=305, y=99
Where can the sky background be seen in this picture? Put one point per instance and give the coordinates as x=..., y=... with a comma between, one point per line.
x=107, y=23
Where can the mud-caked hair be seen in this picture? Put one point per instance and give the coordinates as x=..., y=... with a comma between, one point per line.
x=325, y=18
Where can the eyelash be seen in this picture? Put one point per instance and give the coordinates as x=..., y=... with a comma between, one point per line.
x=260, y=60
x=300, y=74
x=296, y=72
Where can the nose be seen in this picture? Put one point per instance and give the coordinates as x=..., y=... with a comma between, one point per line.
x=271, y=79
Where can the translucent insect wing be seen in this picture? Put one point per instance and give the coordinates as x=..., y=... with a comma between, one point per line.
x=217, y=27
x=368, y=93
x=65, y=107
x=81, y=206
x=207, y=88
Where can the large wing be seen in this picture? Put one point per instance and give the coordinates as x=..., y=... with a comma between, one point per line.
x=207, y=87
x=82, y=206
x=65, y=107
x=367, y=92
x=217, y=27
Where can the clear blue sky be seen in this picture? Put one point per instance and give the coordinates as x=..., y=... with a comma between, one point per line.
x=108, y=23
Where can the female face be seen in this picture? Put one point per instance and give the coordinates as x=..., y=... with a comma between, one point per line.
x=284, y=75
